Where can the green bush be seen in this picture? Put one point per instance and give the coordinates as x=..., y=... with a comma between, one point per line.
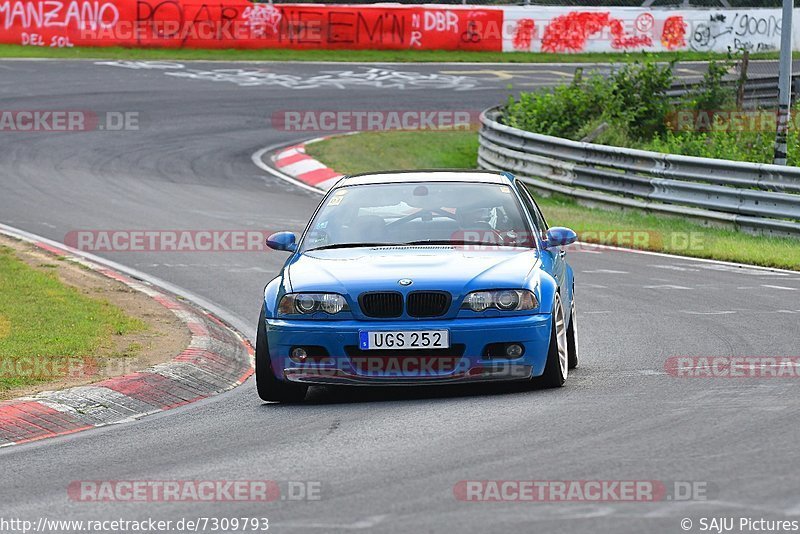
x=639, y=98
x=722, y=142
x=710, y=94
x=632, y=98
x=562, y=111
x=630, y=108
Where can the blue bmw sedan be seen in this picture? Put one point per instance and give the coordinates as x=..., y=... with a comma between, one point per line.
x=419, y=278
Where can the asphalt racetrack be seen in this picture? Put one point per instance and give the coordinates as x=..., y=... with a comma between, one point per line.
x=388, y=459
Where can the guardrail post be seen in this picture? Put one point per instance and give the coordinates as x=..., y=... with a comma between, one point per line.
x=743, y=65
x=785, y=83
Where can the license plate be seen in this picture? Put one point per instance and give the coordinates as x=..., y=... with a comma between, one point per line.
x=404, y=340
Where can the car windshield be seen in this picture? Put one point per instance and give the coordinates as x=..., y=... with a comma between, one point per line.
x=419, y=213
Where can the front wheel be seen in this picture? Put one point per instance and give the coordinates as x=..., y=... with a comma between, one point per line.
x=270, y=388
x=557, y=366
x=572, y=336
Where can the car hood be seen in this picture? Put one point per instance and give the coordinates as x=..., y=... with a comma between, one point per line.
x=454, y=269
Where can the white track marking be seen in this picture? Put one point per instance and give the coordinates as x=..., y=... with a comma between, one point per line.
x=751, y=270
x=667, y=286
x=779, y=287
x=675, y=268
x=709, y=312
x=361, y=524
x=330, y=182
x=794, y=510
x=286, y=154
x=710, y=264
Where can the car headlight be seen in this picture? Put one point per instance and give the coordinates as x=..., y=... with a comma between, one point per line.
x=503, y=299
x=308, y=303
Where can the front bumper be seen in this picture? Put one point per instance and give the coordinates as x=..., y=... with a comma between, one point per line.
x=467, y=362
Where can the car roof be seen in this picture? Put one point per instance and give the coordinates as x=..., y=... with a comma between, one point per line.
x=455, y=175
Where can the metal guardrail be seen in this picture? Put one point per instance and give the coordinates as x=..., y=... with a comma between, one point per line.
x=759, y=91
x=760, y=197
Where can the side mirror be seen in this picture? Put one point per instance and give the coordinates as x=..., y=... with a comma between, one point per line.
x=559, y=236
x=282, y=241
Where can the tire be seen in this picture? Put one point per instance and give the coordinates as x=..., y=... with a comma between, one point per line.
x=556, y=368
x=572, y=336
x=270, y=388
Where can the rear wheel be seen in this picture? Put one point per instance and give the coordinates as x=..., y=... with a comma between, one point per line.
x=270, y=388
x=556, y=368
x=572, y=336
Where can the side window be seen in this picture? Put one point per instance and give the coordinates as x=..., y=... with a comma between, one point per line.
x=540, y=217
x=531, y=206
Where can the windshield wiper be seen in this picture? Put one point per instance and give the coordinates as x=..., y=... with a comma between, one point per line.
x=413, y=243
x=451, y=242
x=437, y=242
x=352, y=245
x=462, y=242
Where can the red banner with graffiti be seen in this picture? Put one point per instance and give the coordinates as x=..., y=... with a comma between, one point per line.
x=243, y=24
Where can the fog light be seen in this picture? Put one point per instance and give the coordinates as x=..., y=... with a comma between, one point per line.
x=514, y=350
x=299, y=354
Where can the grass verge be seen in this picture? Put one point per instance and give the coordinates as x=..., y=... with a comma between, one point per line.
x=413, y=150
x=46, y=326
x=351, y=56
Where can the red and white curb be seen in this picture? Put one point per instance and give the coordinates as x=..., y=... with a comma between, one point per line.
x=217, y=359
x=295, y=163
